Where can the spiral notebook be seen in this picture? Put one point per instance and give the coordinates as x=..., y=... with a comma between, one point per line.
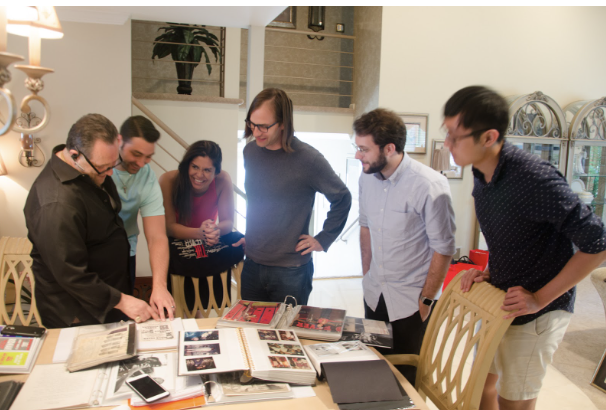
x=267, y=354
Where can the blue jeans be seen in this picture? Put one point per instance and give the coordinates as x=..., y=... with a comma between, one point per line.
x=274, y=283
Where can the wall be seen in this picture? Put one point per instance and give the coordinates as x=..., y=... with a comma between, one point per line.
x=367, y=60
x=92, y=75
x=429, y=53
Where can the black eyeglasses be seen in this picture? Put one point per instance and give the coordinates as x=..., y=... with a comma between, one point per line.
x=95, y=168
x=453, y=140
x=262, y=128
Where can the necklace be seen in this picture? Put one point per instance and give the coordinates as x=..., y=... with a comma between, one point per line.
x=124, y=184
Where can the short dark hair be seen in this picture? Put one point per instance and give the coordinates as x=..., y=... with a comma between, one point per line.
x=182, y=193
x=385, y=126
x=480, y=109
x=282, y=109
x=139, y=126
x=87, y=130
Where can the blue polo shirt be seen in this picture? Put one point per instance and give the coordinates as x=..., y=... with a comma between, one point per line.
x=531, y=218
x=138, y=192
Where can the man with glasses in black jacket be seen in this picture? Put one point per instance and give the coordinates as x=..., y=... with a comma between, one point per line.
x=80, y=249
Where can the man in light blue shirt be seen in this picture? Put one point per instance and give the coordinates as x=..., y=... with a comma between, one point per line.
x=406, y=231
x=139, y=191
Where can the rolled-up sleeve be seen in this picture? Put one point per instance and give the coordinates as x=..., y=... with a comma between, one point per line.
x=439, y=218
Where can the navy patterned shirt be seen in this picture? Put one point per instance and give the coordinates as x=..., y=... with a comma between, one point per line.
x=531, y=218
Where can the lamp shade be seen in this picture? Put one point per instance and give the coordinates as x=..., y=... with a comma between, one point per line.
x=47, y=23
x=2, y=167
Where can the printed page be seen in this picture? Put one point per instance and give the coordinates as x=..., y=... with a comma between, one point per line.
x=211, y=351
x=338, y=352
x=158, y=335
x=15, y=353
x=51, y=386
x=97, y=348
x=275, y=350
x=369, y=332
x=67, y=336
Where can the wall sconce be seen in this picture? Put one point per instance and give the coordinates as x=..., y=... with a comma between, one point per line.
x=27, y=156
x=35, y=22
x=316, y=20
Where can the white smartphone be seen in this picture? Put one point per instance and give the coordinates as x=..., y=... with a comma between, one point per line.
x=147, y=388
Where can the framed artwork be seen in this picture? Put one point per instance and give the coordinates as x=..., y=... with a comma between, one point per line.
x=443, y=162
x=416, y=132
x=286, y=19
x=599, y=377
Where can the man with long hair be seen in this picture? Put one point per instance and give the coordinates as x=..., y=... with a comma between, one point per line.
x=283, y=175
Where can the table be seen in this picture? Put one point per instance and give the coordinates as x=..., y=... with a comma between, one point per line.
x=322, y=400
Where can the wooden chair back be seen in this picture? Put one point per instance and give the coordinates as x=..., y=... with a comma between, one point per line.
x=461, y=323
x=178, y=291
x=17, y=283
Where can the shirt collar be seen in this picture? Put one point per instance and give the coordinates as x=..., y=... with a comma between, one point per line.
x=64, y=171
x=505, y=155
x=395, y=177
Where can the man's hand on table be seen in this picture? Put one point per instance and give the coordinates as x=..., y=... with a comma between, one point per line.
x=136, y=309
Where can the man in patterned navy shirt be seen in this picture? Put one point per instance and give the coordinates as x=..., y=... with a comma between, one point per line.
x=530, y=218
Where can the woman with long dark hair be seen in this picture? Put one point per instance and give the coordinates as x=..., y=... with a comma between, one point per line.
x=195, y=195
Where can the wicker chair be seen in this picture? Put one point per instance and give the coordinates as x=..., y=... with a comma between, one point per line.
x=17, y=284
x=460, y=324
x=181, y=310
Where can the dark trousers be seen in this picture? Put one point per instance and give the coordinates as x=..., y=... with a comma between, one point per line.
x=407, y=335
x=274, y=283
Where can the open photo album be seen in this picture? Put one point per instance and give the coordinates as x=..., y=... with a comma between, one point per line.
x=267, y=354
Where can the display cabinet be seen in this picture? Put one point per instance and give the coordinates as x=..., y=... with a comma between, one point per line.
x=538, y=125
x=586, y=171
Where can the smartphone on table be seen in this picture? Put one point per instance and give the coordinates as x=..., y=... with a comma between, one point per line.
x=31, y=331
x=147, y=388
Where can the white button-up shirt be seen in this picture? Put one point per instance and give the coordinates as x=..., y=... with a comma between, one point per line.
x=410, y=217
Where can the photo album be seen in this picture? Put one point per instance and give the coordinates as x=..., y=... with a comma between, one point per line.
x=267, y=354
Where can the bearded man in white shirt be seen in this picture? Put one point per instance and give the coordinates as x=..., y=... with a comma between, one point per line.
x=406, y=231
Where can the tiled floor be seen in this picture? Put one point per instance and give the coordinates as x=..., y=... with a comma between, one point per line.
x=558, y=391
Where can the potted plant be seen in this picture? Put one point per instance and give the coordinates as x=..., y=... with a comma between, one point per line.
x=186, y=44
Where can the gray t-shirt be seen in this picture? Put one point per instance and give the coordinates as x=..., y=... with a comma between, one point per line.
x=281, y=189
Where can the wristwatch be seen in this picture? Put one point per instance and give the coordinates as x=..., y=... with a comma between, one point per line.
x=426, y=301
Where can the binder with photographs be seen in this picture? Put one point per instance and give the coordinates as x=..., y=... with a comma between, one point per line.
x=267, y=354
x=247, y=313
x=315, y=323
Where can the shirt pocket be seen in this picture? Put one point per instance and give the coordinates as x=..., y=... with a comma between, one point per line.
x=403, y=225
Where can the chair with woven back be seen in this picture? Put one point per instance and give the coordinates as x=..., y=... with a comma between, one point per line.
x=460, y=324
x=17, y=283
x=178, y=291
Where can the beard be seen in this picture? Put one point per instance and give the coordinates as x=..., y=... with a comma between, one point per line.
x=378, y=165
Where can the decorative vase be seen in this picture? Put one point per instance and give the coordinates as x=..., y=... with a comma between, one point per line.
x=185, y=71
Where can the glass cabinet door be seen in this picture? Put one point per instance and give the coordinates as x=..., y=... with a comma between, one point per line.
x=588, y=175
x=549, y=152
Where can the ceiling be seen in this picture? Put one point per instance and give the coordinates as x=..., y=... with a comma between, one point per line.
x=227, y=16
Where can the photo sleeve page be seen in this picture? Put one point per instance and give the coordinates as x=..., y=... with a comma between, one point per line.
x=211, y=351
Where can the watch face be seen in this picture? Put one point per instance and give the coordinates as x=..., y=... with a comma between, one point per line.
x=427, y=301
